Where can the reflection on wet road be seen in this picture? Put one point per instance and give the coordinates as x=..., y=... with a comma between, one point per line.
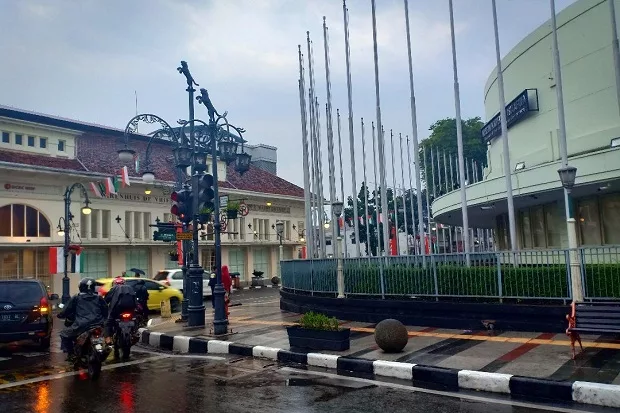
x=156, y=382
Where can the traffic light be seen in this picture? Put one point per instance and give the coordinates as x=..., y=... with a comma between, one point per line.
x=182, y=205
x=206, y=193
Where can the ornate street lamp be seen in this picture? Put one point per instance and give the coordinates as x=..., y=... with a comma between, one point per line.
x=126, y=155
x=228, y=151
x=148, y=177
x=337, y=211
x=182, y=157
x=200, y=160
x=567, y=177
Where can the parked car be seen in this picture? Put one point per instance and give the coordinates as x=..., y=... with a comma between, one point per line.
x=158, y=292
x=26, y=312
x=174, y=279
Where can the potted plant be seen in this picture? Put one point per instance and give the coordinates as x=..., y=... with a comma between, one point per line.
x=232, y=210
x=319, y=332
x=204, y=215
x=174, y=256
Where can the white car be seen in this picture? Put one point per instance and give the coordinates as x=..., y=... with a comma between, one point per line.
x=174, y=279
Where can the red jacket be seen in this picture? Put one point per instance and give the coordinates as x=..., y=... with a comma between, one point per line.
x=226, y=280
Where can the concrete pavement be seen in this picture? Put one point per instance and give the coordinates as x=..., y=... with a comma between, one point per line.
x=503, y=355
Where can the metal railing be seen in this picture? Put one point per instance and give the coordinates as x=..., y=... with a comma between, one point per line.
x=521, y=275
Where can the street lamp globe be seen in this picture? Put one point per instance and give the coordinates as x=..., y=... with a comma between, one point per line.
x=326, y=225
x=200, y=160
x=126, y=155
x=61, y=232
x=148, y=177
x=228, y=151
x=86, y=209
x=279, y=227
x=182, y=157
x=567, y=176
x=243, y=162
x=337, y=208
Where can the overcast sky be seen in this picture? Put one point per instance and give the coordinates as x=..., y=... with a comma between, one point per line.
x=84, y=60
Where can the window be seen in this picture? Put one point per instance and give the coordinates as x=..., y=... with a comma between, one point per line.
x=6, y=137
x=242, y=228
x=538, y=227
x=105, y=223
x=261, y=261
x=84, y=225
x=128, y=223
x=526, y=232
x=19, y=220
x=137, y=225
x=589, y=222
x=236, y=262
x=152, y=285
x=42, y=143
x=61, y=146
x=136, y=258
x=94, y=224
x=95, y=263
x=610, y=210
x=31, y=140
x=207, y=259
x=145, y=226
x=556, y=227
x=19, y=139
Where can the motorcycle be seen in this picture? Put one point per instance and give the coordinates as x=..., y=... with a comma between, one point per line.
x=90, y=350
x=125, y=335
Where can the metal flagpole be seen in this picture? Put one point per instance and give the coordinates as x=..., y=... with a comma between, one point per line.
x=351, y=135
x=445, y=178
x=428, y=204
x=381, y=135
x=402, y=179
x=304, y=140
x=439, y=184
x=445, y=171
x=346, y=252
x=473, y=172
x=330, y=142
x=374, y=162
x=414, y=127
x=615, y=47
x=419, y=200
x=434, y=197
x=315, y=162
x=394, y=195
x=459, y=135
x=451, y=189
x=365, y=190
x=321, y=191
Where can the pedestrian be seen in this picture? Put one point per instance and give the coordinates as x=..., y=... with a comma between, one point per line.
x=227, y=282
x=212, y=281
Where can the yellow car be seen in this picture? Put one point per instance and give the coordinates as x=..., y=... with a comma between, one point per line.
x=158, y=292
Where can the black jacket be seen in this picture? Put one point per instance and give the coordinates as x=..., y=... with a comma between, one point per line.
x=117, y=302
x=142, y=294
x=85, y=310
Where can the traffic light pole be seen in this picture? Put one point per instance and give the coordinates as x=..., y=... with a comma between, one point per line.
x=220, y=321
x=185, y=303
x=196, y=307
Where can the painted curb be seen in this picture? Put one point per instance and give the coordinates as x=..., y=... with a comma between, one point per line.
x=517, y=387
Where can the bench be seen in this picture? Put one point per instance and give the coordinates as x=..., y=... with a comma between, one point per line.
x=595, y=318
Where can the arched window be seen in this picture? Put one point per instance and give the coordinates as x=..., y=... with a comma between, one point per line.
x=18, y=220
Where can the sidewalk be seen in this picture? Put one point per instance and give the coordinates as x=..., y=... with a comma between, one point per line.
x=498, y=355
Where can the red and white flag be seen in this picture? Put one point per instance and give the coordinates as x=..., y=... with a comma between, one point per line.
x=109, y=187
x=57, y=261
x=95, y=188
x=125, y=176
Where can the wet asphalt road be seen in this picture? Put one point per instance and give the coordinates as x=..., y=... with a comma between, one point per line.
x=159, y=382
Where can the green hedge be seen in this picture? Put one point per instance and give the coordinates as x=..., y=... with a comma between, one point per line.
x=524, y=281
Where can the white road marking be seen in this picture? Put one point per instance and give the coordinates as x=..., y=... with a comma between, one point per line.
x=435, y=392
x=4, y=358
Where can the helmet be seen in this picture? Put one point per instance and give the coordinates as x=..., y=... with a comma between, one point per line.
x=119, y=281
x=87, y=285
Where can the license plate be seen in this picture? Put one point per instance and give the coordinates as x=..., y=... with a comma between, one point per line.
x=97, y=340
x=10, y=317
x=125, y=324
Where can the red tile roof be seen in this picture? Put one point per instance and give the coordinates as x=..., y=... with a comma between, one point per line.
x=99, y=154
x=40, y=160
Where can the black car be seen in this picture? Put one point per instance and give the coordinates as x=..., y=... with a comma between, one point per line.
x=25, y=312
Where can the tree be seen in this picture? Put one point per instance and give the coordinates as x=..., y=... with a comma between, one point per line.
x=443, y=140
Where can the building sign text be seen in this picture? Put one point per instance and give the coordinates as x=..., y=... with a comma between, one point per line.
x=516, y=110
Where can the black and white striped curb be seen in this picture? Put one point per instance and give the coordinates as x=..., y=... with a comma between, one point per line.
x=419, y=375
x=256, y=287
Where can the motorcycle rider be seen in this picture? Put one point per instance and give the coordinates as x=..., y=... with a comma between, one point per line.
x=83, y=311
x=121, y=298
x=142, y=297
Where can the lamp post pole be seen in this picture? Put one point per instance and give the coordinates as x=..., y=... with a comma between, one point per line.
x=67, y=234
x=280, y=232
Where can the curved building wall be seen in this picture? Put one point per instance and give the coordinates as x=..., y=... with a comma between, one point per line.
x=592, y=121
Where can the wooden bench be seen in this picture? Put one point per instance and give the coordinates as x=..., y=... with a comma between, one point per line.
x=594, y=318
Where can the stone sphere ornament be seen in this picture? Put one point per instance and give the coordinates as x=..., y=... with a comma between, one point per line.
x=391, y=335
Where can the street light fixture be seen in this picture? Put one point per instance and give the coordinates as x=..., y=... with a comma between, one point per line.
x=148, y=177
x=65, y=231
x=280, y=232
x=126, y=155
x=567, y=177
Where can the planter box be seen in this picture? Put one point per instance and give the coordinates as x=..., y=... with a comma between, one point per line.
x=232, y=213
x=319, y=339
x=258, y=282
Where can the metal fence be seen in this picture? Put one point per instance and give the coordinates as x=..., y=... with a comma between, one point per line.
x=520, y=275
